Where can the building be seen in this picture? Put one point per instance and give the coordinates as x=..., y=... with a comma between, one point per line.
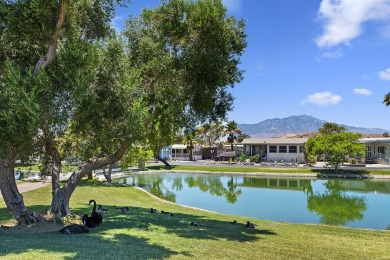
x=292, y=149
x=180, y=152
x=276, y=149
x=377, y=150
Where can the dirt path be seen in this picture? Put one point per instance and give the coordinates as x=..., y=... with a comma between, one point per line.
x=27, y=186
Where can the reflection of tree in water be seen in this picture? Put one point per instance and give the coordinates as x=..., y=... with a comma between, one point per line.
x=214, y=186
x=334, y=206
x=153, y=184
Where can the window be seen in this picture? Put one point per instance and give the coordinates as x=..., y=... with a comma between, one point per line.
x=272, y=149
x=292, y=149
x=282, y=148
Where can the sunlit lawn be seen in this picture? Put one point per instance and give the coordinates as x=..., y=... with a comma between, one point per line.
x=142, y=235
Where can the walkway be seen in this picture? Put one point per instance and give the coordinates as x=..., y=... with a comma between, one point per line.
x=27, y=186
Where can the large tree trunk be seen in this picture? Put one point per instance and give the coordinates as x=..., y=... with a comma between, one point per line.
x=12, y=198
x=158, y=157
x=60, y=201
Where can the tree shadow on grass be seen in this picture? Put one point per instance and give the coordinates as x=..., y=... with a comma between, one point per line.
x=129, y=235
x=179, y=224
x=85, y=246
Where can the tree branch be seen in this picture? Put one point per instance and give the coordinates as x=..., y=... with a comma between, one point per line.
x=48, y=58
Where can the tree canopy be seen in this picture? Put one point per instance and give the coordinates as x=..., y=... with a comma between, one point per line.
x=334, y=143
x=86, y=91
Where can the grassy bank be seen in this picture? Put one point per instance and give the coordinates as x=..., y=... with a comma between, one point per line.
x=246, y=169
x=142, y=235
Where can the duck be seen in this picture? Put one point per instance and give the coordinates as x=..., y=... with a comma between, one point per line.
x=125, y=209
x=167, y=213
x=152, y=210
x=233, y=222
x=250, y=225
x=102, y=210
x=194, y=224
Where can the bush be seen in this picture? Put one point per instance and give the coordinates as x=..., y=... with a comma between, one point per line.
x=243, y=157
x=353, y=160
x=255, y=158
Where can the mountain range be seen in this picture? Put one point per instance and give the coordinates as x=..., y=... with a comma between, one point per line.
x=279, y=127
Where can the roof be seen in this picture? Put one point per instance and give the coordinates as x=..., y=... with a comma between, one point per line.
x=383, y=140
x=268, y=141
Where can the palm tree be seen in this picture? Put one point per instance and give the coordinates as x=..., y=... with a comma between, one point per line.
x=233, y=132
x=189, y=138
x=387, y=99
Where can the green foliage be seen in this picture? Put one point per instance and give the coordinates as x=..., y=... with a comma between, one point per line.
x=334, y=144
x=255, y=158
x=18, y=111
x=244, y=156
x=134, y=155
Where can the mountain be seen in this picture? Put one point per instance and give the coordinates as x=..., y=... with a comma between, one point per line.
x=295, y=125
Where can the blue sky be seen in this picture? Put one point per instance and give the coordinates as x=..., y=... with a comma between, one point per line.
x=326, y=58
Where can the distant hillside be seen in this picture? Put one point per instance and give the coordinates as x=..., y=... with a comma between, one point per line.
x=295, y=125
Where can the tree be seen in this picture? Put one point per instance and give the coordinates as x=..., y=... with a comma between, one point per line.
x=112, y=95
x=29, y=29
x=18, y=124
x=210, y=133
x=233, y=132
x=334, y=144
x=189, y=139
x=387, y=99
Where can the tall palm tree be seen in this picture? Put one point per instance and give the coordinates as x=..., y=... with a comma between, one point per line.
x=233, y=132
x=189, y=139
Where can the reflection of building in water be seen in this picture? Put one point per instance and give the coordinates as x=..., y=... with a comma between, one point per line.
x=376, y=186
x=279, y=183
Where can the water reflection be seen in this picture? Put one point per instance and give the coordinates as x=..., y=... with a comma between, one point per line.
x=213, y=185
x=354, y=203
x=334, y=206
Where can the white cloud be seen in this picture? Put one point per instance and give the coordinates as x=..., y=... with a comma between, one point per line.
x=363, y=91
x=384, y=74
x=343, y=19
x=233, y=5
x=322, y=99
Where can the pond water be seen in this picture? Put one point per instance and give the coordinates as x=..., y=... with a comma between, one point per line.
x=350, y=203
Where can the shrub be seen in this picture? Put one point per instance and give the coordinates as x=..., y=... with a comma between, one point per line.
x=255, y=158
x=243, y=157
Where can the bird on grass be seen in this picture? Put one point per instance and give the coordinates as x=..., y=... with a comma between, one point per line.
x=167, y=213
x=194, y=224
x=250, y=225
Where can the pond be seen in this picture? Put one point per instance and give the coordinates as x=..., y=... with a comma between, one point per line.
x=340, y=202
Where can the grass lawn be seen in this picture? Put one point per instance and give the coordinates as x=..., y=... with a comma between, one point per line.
x=287, y=170
x=35, y=167
x=142, y=235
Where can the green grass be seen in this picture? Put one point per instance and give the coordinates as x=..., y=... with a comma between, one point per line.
x=35, y=168
x=243, y=169
x=141, y=235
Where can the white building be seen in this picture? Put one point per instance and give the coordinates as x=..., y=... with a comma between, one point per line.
x=288, y=149
x=180, y=152
x=276, y=149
